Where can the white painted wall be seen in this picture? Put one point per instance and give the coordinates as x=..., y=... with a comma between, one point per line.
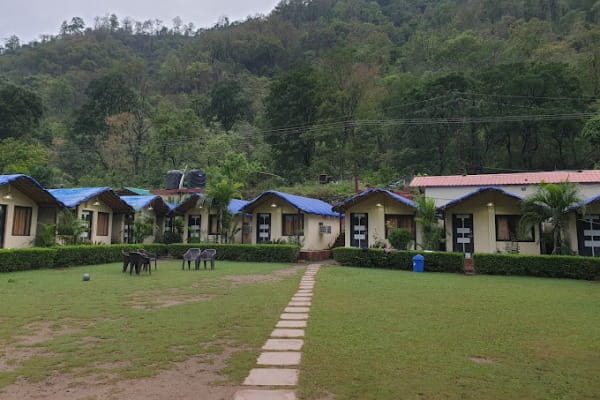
x=18, y=199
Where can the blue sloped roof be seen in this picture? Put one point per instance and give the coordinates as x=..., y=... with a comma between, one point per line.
x=46, y=196
x=304, y=204
x=138, y=202
x=371, y=191
x=585, y=202
x=236, y=205
x=480, y=190
x=75, y=196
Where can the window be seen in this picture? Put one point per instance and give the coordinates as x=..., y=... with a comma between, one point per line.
x=87, y=216
x=213, y=224
x=293, y=225
x=103, y=219
x=22, y=221
x=398, y=221
x=507, y=229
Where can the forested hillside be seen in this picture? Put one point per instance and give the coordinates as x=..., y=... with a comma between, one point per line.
x=383, y=89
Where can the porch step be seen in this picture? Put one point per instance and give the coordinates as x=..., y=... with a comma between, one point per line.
x=469, y=266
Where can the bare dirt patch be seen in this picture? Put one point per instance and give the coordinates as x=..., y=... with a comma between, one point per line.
x=12, y=357
x=482, y=360
x=195, y=378
x=44, y=331
x=279, y=275
x=168, y=301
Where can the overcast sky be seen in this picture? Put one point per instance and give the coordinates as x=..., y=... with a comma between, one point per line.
x=30, y=18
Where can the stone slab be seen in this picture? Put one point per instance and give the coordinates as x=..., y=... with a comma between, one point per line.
x=288, y=333
x=272, y=377
x=299, y=303
x=283, y=344
x=297, y=309
x=291, y=324
x=279, y=358
x=264, y=394
x=294, y=316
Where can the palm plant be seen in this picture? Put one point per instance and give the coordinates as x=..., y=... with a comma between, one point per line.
x=70, y=227
x=427, y=217
x=219, y=196
x=550, y=204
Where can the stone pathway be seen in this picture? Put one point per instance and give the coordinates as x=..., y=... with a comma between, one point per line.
x=277, y=371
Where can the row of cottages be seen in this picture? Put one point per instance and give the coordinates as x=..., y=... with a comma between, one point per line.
x=481, y=212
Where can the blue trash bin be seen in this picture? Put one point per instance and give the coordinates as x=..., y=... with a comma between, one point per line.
x=418, y=263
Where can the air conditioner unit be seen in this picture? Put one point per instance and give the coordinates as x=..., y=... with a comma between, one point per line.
x=326, y=229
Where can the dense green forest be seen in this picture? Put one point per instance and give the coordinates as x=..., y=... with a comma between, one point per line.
x=382, y=89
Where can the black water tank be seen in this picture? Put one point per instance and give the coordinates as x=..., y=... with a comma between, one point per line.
x=173, y=179
x=197, y=178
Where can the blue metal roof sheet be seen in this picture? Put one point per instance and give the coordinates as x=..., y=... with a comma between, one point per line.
x=138, y=192
x=480, y=190
x=371, y=191
x=6, y=179
x=74, y=196
x=585, y=202
x=304, y=204
x=139, y=202
x=236, y=205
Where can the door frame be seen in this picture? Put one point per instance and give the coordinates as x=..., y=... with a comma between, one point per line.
x=357, y=242
x=461, y=247
x=582, y=221
x=259, y=239
x=3, y=213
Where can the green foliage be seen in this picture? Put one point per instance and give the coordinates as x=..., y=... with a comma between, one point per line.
x=46, y=235
x=550, y=203
x=426, y=216
x=572, y=267
x=70, y=228
x=20, y=111
x=219, y=196
x=143, y=227
x=228, y=104
x=400, y=238
x=378, y=258
x=25, y=259
x=22, y=156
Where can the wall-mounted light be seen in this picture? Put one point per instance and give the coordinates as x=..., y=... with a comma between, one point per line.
x=96, y=203
x=378, y=205
x=273, y=205
x=490, y=204
x=8, y=196
x=150, y=208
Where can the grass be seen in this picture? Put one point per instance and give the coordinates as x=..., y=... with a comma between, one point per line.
x=99, y=324
x=379, y=334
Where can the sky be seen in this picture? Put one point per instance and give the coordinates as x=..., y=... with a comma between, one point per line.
x=31, y=18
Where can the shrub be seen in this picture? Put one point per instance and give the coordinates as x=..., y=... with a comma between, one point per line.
x=574, y=267
x=400, y=238
x=242, y=252
x=376, y=258
x=24, y=259
x=88, y=255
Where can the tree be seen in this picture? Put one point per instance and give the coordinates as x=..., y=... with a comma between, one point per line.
x=550, y=204
x=219, y=195
x=291, y=108
x=228, y=104
x=426, y=216
x=22, y=157
x=20, y=111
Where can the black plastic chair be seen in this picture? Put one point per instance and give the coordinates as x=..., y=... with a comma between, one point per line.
x=140, y=262
x=126, y=261
x=207, y=255
x=151, y=256
x=189, y=256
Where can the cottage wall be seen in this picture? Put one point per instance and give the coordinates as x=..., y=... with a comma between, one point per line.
x=484, y=208
x=18, y=199
x=89, y=205
x=376, y=217
x=204, y=213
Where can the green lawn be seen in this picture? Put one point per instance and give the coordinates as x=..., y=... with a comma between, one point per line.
x=379, y=334
x=116, y=317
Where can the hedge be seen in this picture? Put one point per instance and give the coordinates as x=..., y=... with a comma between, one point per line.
x=242, y=252
x=24, y=259
x=574, y=267
x=436, y=261
x=65, y=256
